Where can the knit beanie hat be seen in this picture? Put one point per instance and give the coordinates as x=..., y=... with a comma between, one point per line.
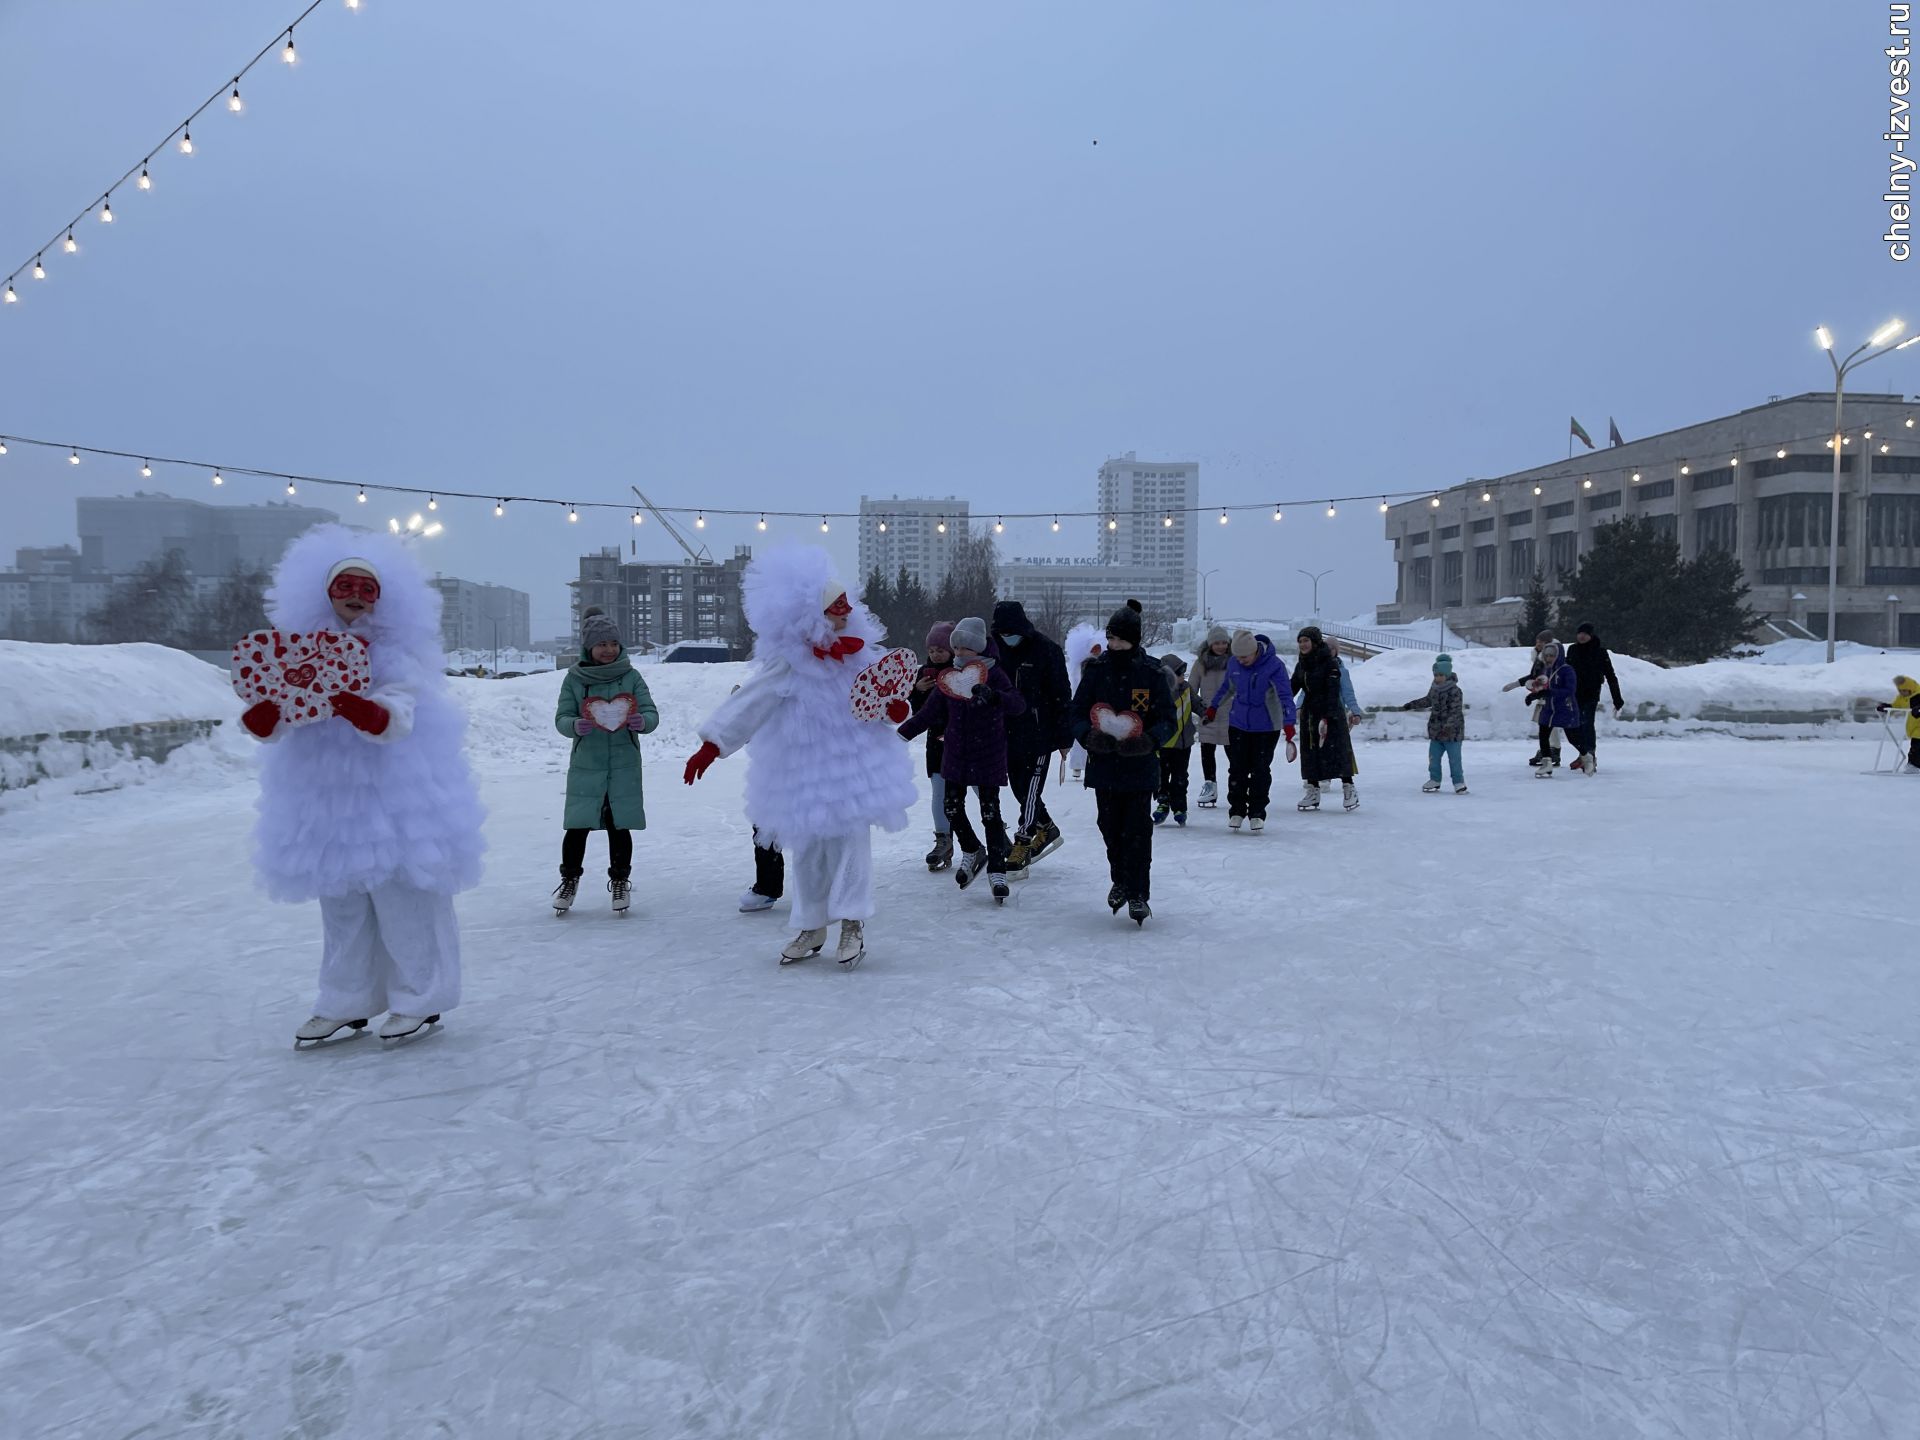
x=1124, y=623
x=597, y=628
x=833, y=599
x=352, y=562
x=940, y=637
x=1586, y=628
x=1543, y=639
x=1175, y=665
x=1443, y=665
x=970, y=634
x=1311, y=632
x=1245, y=646
x=1218, y=635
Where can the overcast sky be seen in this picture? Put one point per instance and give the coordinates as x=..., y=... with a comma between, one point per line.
x=771, y=254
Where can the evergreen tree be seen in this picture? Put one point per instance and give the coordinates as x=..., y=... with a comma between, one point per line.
x=1645, y=600
x=1538, y=615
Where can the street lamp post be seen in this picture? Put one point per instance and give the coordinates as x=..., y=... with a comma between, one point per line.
x=496, y=646
x=1882, y=339
x=1316, y=587
x=1206, y=615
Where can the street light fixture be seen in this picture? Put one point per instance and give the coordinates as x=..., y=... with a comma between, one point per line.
x=1206, y=614
x=1878, y=344
x=1316, y=587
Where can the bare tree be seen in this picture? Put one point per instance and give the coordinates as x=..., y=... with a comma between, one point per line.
x=1052, y=613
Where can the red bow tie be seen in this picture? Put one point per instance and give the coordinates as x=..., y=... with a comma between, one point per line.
x=846, y=645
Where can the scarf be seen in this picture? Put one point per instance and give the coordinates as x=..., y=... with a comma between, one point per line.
x=591, y=674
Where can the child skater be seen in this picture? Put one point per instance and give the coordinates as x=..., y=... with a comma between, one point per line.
x=818, y=779
x=604, y=786
x=939, y=657
x=371, y=811
x=1446, y=711
x=1556, y=688
x=1176, y=756
x=974, y=755
x=1906, y=698
x=1123, y=714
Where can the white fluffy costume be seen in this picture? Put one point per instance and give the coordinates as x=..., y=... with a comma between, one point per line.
x=1080, y=644
x=818, y=779
x=382, y=829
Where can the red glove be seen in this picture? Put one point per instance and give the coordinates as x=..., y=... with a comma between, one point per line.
x=702, y=761
x=264, y=716
x=361, y=713
x=846, y=645
x=1212, y=710
x=898, y=711
x=1289, y=730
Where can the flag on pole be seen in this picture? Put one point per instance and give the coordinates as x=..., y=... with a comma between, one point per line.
x=1579, y=430
x=1613, y=434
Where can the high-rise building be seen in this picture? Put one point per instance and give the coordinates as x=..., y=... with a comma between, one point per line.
x=1145, y=520
x=474, y=616
x=1757, y=484
x=918, y=536
x=659, y=603
x=120, y=533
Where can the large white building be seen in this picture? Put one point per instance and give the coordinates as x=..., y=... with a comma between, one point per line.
x=1146, y=521
x=476, y=616
x=915, y=535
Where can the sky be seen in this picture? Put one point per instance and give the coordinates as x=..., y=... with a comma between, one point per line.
x=756, y=254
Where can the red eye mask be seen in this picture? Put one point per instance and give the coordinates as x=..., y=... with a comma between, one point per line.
x=354, y=587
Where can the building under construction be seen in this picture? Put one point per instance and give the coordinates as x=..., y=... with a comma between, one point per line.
x=660, y=603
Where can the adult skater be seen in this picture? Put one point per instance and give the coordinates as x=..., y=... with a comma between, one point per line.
x=1038, y=670
x=1591, y=665
x=818, y=779
x=1326, y=749
x=371, y=811
x=1125, y=689
x=974, y=754
x=1257, y=700
x=604, y=785
x=1210, y=663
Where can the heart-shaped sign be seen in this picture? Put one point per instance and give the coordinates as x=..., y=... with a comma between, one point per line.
x=609, y=712
x=888, y=679
x=959, y=680
x=1120, y=724
x=299, y=671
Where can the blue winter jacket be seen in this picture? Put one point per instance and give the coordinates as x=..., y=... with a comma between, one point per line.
x=1562, y=693
x=1262, y=692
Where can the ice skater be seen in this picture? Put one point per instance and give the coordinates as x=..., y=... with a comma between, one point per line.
x=1326, y=746
x=372, y=811
x=1906, y=698
x=1592, y=666
x=939, y=657
x=1554, y=688
x=1176, y=756
x=1210, y=663
x=1257, y=700
x=605, y=788
x=818, y=778
x=1446, y=711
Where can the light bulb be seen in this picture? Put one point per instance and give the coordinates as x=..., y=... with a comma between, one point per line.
x=636, y=517
x=1383, y=508
x=1735, y=461
x=700, y=522
x=186, y=142
x=573, y=515
x=70, y=243
x=290, y=487
x=414, y=520
x=823, y=524
x=73, y=457
x=1636, y=474
x=40, y=273
x=1486, y=496
x=1223, y=518
x=434, y=529
x=12, y=299
x=1909, y=422
x=1884, y=448
x=1779, y=454
x=1056, y=524
x=218, y=479
x=1586, y=484
x=941, y=527
x=999, y=527
x=1536, y=489
x=393, y=525
x=1331, y=512
x=433, y=502
x=499, y=508
x=1435, y=502
x=289, y=55
x=146, y=470
x=1112, y=524
x=1869, y=434
x=106, y=211
x=362, y=497
x=883, y=527
x=3, y=447
x=233, y=100
x=353, y=4
x=145, y=182
x=763, y=523
x=1686, y=469
x=1276, y=512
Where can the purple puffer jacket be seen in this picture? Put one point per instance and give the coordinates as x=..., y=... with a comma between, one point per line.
x=976, y=735
x=1562, y=704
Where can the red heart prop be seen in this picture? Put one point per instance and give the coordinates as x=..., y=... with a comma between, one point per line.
x=888, y=678
x=303, y=674
x=1120, y=724
x=609, y=712
x=959, y=680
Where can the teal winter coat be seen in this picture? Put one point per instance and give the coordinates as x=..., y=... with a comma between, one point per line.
x=605, y=766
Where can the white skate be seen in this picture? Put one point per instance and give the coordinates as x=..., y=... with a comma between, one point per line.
x=853, y=943
x=399, y=1027
x=804, y=945
x=320, y=1029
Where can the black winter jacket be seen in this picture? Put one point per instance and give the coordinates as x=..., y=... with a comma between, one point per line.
x=1591, y=665
x=1038, y=669
x=1128, y=682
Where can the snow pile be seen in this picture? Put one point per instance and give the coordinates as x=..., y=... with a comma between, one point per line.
x=1720, y=693
x=51, y=689
x=1187, y=634
x=1814, y=652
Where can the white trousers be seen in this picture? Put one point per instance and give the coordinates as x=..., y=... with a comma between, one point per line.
x=831, y=879
x=394, y=949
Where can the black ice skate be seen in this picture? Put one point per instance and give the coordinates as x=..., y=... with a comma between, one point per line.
x=941, y=855
x=1139, y=911
x=969, y=867
x=1116, y=898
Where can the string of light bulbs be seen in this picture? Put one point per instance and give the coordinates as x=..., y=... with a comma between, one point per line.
x=63, y=240
x=218, y=474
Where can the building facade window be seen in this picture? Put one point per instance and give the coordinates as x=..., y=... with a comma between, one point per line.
x=1607, y=501
x=1560, y=510
x=1563, y=553
x=1713, y=479
x=1799, y=519
x=1893, y=522
x=1658, y=490
x=1520, y=520
x=1481, y=527
x=1451, y=564
x=1796, y=575
x=1717, y=528
x=1667, y=527
x=1421, y=538
x=1485, y=573
x=1450, y=532
x=1520, y=559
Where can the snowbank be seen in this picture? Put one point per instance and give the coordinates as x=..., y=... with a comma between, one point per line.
x=1719, y=694
x=52, y=689
x=1814, y=652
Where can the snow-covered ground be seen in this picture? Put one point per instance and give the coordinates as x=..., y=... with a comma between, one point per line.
x=1578, y=1108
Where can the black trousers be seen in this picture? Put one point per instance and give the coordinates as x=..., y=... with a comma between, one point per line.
x=1175, y=766
x=1126, y=824
x=769, y=870
x=1027, y=776
x=1913, y=753
x=965, y=836
x=1583, y=735
x=1546, y=735
x=1250, y=771
x=1207, y=747
x=573, y=849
